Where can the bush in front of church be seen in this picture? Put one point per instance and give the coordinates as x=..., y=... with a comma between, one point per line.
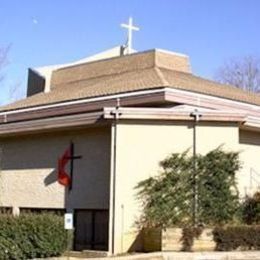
x=242, y=237
x=167, y=199
x=251, y=209
x=32, y=236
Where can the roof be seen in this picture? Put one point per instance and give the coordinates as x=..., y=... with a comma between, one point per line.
x=46, y=71
x=110, y=53
x=140, y=71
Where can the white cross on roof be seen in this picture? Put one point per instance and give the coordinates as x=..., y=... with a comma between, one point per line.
x=130, y=28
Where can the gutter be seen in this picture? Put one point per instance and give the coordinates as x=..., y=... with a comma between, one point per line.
x=105, y=116
x=83, y=101
x=157, y=95
x=115, y=113
x=252, y=123
x=173, y=114
x=160, y=94
x=81, y=106
x=50, y=124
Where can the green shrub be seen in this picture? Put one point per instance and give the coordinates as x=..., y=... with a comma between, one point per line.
x=9, y=250
x=237, y=237
x=167, y=199
x=188, y=235
x=32, y=236
x=218, y=198
x=251, y=209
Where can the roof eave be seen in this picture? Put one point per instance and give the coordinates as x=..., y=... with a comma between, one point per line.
x=83, y=106
x=105, y=117
x=23, y=119
x=51, y=124
x=170, y=114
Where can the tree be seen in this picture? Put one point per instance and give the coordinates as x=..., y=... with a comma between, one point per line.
x=3, y=60
x=15, y=91
x=217, y=189
x=242, y=72
x=167, y=198
x=251, y=209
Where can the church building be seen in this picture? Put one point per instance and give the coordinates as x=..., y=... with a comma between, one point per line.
x=89, y=131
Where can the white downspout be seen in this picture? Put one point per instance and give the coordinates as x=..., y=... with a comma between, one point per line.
x=112, y=208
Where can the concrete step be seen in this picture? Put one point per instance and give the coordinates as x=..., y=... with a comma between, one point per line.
x=85, y=254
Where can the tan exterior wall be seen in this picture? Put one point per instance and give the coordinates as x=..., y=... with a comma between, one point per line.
x=152, y=239
x=249, y=146
x=140, y=147
x=170, y=239
x=28, y=175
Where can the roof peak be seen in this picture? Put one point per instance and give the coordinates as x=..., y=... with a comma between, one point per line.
x=121, y=64
x=101, y=65
x=112, y=53
x=171, y=52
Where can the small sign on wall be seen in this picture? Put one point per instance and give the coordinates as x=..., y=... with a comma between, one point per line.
x=68, y=221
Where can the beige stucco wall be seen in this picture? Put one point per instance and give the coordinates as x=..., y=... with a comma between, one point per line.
x=28, y=175
x=170, y=239
x=249, y=146
x=140, y=147
x=29, y=163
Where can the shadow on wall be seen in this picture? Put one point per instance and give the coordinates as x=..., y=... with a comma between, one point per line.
x=33, y=160
x=37, y=155
x=137, y=245
x=51, y=178
x=249, y=137
x=30, y=152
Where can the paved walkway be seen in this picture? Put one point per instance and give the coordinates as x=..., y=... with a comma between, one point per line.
x=245, y=255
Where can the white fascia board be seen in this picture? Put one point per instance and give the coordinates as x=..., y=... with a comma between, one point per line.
x=252, y=124
x=51, y=123
x=136, y=93
x=228, y=101
x=252, y=121
x=169, y=110
x=171, y=114
x=86, y=100
x=171, y=52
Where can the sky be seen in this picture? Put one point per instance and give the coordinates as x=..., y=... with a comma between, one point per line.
x=57, y=31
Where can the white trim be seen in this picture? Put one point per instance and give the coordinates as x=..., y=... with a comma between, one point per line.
x=111, y=189
x=252, y=124
x=122, y=95
x=155, y=110
x=51, y=123
x=199, y=95
x=172, y=114
x=136, y=93
x=252, y=121
x=171, y=52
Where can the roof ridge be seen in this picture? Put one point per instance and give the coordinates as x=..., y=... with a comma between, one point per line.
x=113, y=66
x=161, y=76
x=216, y=83
x=210, y=87
x=101, y=77
x=107, y=59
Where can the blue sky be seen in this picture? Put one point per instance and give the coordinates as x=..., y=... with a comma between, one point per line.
x=57, y=31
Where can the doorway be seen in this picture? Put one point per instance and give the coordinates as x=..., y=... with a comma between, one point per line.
x=91, y=230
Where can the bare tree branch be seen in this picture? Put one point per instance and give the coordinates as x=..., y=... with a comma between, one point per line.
x=242, y=72
x=15, y=89
x=16, y=92
x=3, y=60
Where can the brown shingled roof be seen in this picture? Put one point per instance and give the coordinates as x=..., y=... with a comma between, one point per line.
x=141, y=71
